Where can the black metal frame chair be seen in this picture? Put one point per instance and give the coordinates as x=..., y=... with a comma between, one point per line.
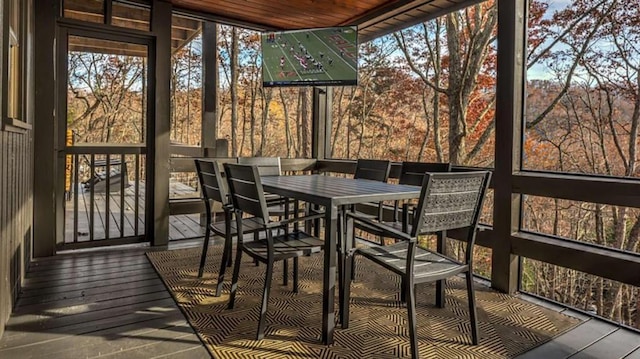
x=447, y=201
x=375, y=170
x=278, y=206
x=214, y=189
x=412, y=173
x=248, y=198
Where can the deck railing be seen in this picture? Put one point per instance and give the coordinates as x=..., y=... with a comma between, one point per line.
x=105, y=195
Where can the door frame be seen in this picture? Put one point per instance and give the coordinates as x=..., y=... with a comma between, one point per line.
x=68, y=28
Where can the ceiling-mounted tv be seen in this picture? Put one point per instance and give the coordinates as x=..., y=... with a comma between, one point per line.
x=311, y=57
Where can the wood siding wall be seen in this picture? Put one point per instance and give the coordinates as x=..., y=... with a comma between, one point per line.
x=16, y=174
x=15, y=216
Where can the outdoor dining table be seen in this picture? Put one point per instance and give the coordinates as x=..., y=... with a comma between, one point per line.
x=332, y=193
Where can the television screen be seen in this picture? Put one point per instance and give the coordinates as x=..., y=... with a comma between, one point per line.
x=312, y=57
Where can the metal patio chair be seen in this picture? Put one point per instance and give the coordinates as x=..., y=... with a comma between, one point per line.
x=214, y=190
x=447, y=201
x=280, y=243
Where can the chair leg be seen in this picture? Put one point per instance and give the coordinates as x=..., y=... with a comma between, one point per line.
x=285, y=272
x=473, y=316
x=205, y=247
x=295, y=274
x=403, y=292
x=353, y=265
x=230, y=258
x=224, y=263
x=341, y=282
x=411, y=311
x=345, y=295
x=236, y=274
x=256, y=237
x=349, y=228
x=265, y=300
x=344, y=265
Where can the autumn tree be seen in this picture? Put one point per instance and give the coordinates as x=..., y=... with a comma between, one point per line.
x=454, y=56
x=584, y=118
x=105, y=97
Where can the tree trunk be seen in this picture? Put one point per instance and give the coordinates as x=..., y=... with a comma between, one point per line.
x=234, y=92
x=252, y=123
x=267, y=93
x=287, y=128
x=304, y=124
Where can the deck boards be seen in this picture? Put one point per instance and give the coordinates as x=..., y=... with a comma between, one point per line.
x=111, y=303
x=634, y=355
x=615, y=345
x=108, y=303
x=572, y=342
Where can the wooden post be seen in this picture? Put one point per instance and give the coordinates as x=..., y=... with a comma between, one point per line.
x=209, y=88
x=45, y=214
x=321, y=123
x=209, y=132
x=158, y=142
x=509, y=107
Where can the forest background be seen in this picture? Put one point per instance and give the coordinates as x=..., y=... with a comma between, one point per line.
x=427, y=93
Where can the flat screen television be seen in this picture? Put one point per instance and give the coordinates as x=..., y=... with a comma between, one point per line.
x=310, y=57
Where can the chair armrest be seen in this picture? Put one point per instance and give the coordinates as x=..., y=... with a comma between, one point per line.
x=386, y=230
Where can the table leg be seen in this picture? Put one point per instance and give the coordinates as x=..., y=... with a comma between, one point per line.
x=329, y=280
x=347, y=240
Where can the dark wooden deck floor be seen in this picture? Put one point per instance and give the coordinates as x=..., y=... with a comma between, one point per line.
x=98, y=303
x=110, y=303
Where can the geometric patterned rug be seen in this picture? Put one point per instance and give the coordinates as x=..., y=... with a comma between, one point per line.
x=508, y=326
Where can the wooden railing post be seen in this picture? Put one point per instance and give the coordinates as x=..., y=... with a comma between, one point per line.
x=509, y=106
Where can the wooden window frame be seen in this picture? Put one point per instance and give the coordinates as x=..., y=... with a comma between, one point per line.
x=14, y=85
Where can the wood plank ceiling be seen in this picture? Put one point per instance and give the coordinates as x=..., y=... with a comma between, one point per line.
x=374, y=18
x=183, y=29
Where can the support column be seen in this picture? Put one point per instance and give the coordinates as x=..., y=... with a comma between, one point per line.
x=158, y=140
x=509, y=116
x=321, y=119
x=44, y=128
x=209, y=89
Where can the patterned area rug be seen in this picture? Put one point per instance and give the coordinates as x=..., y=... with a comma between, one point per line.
x=508, y=326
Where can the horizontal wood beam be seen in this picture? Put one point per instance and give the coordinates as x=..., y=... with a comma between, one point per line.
x=595, y=189
x=186, y=164
x=297, y=164
x=184, y=150
x=601, y=262
x=104, y=150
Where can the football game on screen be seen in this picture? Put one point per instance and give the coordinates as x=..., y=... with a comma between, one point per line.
x=310, y=57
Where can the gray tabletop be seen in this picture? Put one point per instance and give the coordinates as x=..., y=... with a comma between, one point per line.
x=327, y=190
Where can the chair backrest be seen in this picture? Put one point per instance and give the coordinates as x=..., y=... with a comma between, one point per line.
x=245, y=190
x=212, y=183
x=267, y=166
x=451, y=200
x=412, y=173
x=376, y=170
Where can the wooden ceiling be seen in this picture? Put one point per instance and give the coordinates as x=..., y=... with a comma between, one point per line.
x=183, y=29
x=374, y=18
